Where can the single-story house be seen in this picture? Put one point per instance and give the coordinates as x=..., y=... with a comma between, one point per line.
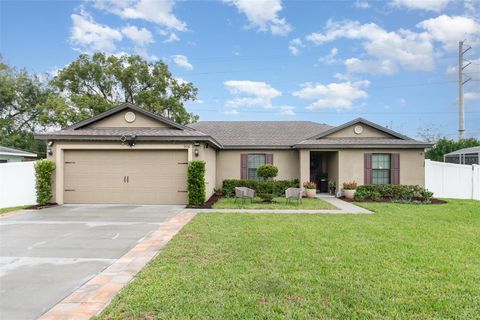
x=464, y=156
x=14, y=155
x=130, y=155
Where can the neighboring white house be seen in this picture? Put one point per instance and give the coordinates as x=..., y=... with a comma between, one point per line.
x=15, y=155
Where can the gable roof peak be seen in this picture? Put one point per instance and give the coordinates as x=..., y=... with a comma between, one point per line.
x=365, y=122
x=123, y=106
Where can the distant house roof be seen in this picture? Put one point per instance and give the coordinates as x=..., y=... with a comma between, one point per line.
x=15, y=152
x=472, y=150
x=260, y=134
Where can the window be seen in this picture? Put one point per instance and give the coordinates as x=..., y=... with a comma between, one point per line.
x=381, y=168
x=254, y=161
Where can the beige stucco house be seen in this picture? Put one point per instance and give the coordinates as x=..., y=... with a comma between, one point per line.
x=130, y=155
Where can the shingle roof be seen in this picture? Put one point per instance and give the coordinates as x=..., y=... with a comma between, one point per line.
x=15, y=152
x=260, y=134
x=140, y=132
x=361, y=142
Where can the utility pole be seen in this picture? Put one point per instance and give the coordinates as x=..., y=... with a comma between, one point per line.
x=461, y=83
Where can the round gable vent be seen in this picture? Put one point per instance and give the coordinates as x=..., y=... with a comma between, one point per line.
x=129, y=116
x=358, y=129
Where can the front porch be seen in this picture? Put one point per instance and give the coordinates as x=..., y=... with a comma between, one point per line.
x=320, y=167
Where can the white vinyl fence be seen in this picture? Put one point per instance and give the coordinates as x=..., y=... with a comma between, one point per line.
x=449, y=180
x=17, y=184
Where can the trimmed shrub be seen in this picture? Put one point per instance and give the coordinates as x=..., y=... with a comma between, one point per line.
x=196, y=183
x=267, y=171
x=260, y=186
x=43, y=180
x=395, y=192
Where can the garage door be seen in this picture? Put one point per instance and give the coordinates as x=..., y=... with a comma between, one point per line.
x=125, y=176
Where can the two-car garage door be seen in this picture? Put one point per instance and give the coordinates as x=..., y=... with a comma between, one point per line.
x=125, y=176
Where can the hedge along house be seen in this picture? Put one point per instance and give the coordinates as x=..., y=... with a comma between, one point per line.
x=132, y=156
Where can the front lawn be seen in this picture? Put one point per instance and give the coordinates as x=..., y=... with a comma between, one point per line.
x=11, y=209
x=404, y=262
x=279, y=203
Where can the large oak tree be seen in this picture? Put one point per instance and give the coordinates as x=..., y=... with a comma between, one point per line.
x=93, y=84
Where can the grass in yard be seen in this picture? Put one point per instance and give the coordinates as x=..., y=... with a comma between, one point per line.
x=405, y=262
x=6, y=210
x=280, y=203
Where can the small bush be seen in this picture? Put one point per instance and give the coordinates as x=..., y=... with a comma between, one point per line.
x=267, y=171
x=43, y=180
x=266, y=197
x=397, y=193
x=260, y=186
x=196, y=183
x=349, y=185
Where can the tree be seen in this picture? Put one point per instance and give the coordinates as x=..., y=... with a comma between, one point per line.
x=443, y=146
x=22, y=99
x=267, y=171
x=94, y=84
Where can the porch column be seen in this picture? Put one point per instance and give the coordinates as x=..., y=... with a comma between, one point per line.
x=304, y=160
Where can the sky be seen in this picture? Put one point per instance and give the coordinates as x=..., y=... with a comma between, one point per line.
x=393, y=62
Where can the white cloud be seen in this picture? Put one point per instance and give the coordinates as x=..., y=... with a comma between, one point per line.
x=92, y=36
x=172, y=38
x=251, y=93
x=182, y=61
x=449, y=30
x=432, y=5
x=471, y=96
x=141, y=37
x=371, y=66
x=331, y=57
x=142, y=51
x=263, y=15
x=404, y=48
x=334, y=95
x=159, y=12
x=287, y=111
x=295, y=45
x=231, y=112
x=361, y=4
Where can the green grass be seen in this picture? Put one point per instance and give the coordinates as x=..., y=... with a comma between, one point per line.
x=6, y=210
x=280, y=203
x=404, y=262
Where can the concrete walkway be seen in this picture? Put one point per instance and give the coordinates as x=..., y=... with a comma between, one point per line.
x=343, y=207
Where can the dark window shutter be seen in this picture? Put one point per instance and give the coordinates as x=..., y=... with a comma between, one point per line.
x=269, y=158
x=243, y=166
x=367, y=168
x=395, y=178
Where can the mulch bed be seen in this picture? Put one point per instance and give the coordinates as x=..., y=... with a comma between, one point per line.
x=390, y=200
x=39, y=207
x=210, y=202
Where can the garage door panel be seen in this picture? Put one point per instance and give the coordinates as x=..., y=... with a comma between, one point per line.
x=97, y=176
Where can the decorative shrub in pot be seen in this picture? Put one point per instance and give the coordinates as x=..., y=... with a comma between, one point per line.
x=310, y=189
x=332, y=186
x=349, y=189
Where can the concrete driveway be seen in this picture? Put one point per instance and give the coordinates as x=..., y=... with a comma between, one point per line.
x=47, y=254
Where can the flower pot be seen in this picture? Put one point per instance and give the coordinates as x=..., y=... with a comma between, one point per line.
x=349, y=194
x=310, y=193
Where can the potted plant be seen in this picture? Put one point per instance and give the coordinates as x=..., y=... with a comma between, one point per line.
x=332, y=186
x=310, y=189
x=349, y=189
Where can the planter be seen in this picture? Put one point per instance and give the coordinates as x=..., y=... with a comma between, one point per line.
x=349, y=194
x=310, y=193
